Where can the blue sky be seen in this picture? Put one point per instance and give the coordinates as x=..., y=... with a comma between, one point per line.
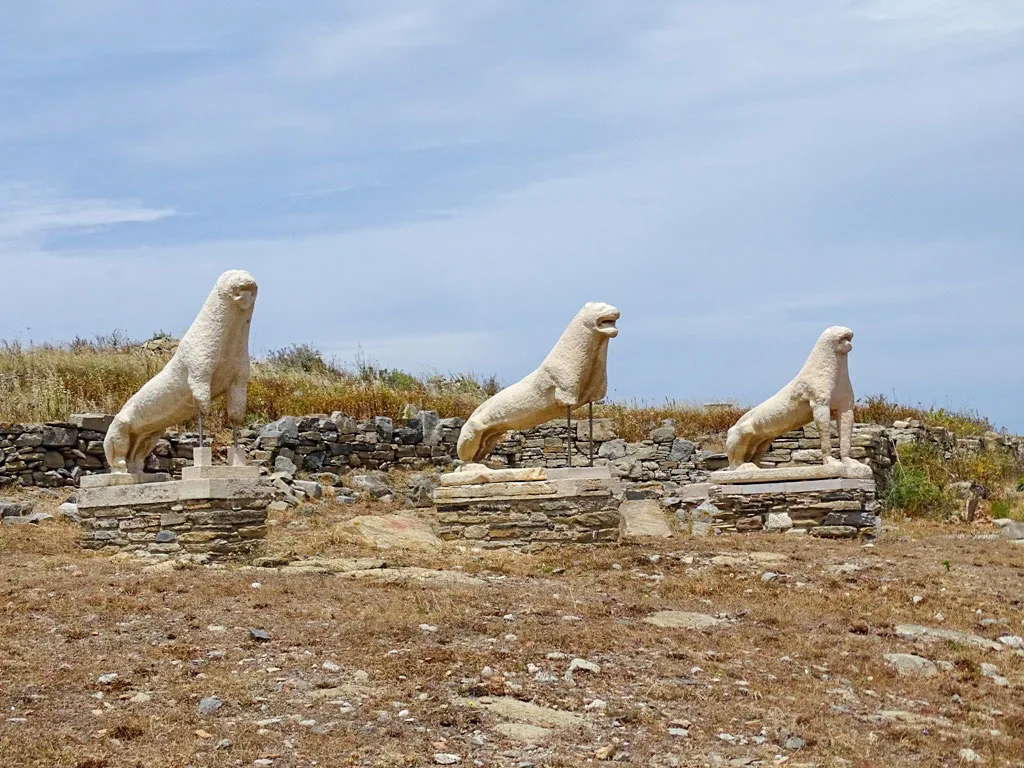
x=443, y=183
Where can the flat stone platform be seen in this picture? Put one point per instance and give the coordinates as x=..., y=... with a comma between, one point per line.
x=528, y=507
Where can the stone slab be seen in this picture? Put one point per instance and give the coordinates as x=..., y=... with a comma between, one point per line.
x=394, y=531
x=523, y=712
x=580, y=473
x=494, y=490
x=477, y=474
x=643, y=518
x=173, y=490
x=557, y=487
x=122, y=478
x=684, y=620
x=694, y=491
x=786, y=474
x=799, y=486
x=220, y=472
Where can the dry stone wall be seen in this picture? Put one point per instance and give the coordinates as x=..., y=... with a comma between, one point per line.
x=58, y=454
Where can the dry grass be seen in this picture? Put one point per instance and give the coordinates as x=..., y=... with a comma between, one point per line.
x=634, y=421
x=878, y=409
x=50, y=382
x=803, y=656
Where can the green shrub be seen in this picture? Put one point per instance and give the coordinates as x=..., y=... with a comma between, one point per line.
x=298, y=357
x=923, y=475
x=915, y=492
x=1001, y=508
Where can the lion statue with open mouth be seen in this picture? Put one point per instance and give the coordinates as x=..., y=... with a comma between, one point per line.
x=575, y=372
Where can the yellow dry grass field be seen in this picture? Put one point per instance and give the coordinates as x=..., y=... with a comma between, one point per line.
x=107, y=662
x=49, y=382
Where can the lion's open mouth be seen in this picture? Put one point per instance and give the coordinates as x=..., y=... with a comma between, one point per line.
x=606, y=324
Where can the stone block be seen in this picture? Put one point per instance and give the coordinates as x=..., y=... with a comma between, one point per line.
x=220, y=472
x=507, y=490
x=604, y=429
x=59, y=436
x=833, y=531
x=643, y=518
x=778, y=521
x=95, y=422
x=53, y=460
x=855, y=519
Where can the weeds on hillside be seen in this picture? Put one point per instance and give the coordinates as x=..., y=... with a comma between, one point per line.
x=634, y=420
x=878, y=409
x=924, y=479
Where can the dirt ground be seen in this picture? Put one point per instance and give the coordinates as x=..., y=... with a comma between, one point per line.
x=108, y=662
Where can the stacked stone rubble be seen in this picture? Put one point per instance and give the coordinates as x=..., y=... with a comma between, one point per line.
x=838, y=508
x=579, y=508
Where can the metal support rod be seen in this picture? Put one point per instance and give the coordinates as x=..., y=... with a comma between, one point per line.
x=590, y=415
x=202, y=441
x=234, y=437
x=568, y=437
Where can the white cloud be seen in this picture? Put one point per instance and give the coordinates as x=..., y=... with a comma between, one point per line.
x=943, y=18
x=29, y=212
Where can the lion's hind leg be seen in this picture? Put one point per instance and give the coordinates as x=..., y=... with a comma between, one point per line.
x=488, y=443
x=141, y=448
x=739, y=445
x=759, y=451
x=469, y=441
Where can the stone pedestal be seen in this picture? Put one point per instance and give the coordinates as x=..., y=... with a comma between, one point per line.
x=528, y=507
x=790, y=499
x=216, y=511
x=203, y=469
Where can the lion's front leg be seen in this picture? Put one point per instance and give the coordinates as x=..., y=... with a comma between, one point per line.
x=235, y=401
x=845, y=421
x=823, y=421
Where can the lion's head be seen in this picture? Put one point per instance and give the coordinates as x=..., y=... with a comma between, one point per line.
x=237, y=287
x=577, y=364
x=838, y=338
x=600, y=318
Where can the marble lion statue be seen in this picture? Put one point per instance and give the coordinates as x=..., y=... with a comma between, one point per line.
x=574, y=372
x=820, y=392
x=212, y=359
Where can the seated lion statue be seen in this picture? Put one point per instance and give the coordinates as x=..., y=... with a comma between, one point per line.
x=820, y=392
x=212, y=359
